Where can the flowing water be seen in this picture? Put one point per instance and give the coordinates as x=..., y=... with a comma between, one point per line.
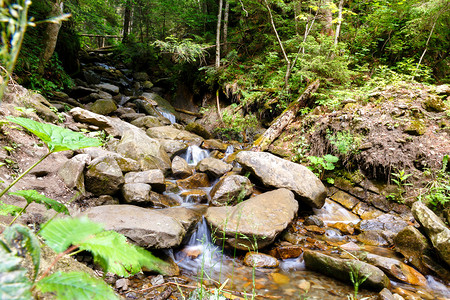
x=194, y=154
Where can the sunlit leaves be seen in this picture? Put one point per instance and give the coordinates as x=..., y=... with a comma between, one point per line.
x=33, y=196
x=55, y=137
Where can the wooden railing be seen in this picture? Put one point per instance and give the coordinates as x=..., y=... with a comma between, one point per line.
x=101, y=40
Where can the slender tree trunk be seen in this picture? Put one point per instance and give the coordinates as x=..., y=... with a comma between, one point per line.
x=286, y=58
x=328, y=16
x=339, y=22
x=219, y=23
x=426, y=46
x=126, y=20
x=50, y=35
x=225, y=26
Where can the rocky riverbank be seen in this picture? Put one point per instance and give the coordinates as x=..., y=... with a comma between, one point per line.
x=145, y=185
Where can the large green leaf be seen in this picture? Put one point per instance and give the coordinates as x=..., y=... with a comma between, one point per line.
x=57, y=138
x=14, y=283
x=34, y=196
x=75, y=285
x=59, y=234
x=28, y=240
x=114, y=254
x=8, y=209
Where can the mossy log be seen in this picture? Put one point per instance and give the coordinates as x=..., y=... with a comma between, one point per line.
x=262, y=143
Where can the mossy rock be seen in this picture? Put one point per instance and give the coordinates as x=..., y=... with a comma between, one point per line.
x=416, y=127
x=198, y=129
x=434, y=104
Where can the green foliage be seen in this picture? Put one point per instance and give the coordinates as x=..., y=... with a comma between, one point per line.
x=13, y=23
x=18, y=234
x=34, y=196
x=14, y=281
x=59, y=234
x=344, y=141
x=75, y=285
x=319, y=165
x=401, y=180
x=114, y=254
x=437, y=191
x=8, y=209
x=182, y=51
x=56, y=138
x=236, y=126
x=357, y=280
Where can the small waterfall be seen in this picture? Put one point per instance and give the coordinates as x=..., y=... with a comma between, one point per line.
x=200, y=253
x=194, y=154
x=229, y=151
x=333, y=212
x=171, y=117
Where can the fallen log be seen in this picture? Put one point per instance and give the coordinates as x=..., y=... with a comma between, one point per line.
x=199, y=115
x=262, y=143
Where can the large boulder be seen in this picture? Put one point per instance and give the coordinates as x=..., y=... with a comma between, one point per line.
x=413, y=245
x=231, y=189
x=126, y=164
x=213, y=167
x=112, y=126
x=276, y=172
x=155, y=178
x=103, y=106
x=172, y=133
x=341, y=268
x=104, y=176
x=148, y=152
x=254, y=223
x=435, y=229
x=147, y=228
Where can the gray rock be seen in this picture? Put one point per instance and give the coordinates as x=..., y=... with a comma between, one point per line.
x=136, y=193
x=163, y=103
x=276, y=172
x=173, y=147
x=147, y=85
x=186, y=216
x=172, y=133
x=254, y=223
x=104, y=176
x=72, y=172
x=109, y=88
x=213, y=167
x=443, y=89
x=180, y=168
x=112, y=126
x=145, y=227
x=231, y=189
x=390, y=225
x=147, y=122
x=135, y=144
x=412, y=244
x=153, y=177
x=103, y=106
x=385, y=294
x=126, y=164
x=341, y=268
x=395, y=269
x=435, y=229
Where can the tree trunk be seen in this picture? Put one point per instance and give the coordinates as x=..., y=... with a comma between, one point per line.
x=225, y=26
x=284, y=119
x=328, y=17
x=338, y=26
x=288, y=62
x=126, y=20
x=50, y=36
x=219, y=20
